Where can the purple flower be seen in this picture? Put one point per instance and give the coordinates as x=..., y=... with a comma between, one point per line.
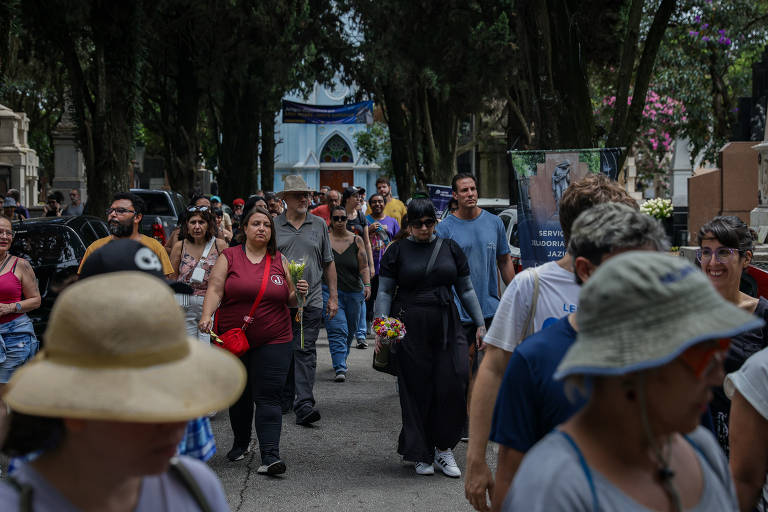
x=727, y=42
x=705, y=38
x=721, y=32
x=697, y=19
x=693, y=33
x=706, y=25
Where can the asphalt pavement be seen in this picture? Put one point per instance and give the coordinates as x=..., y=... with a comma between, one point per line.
x=348, y=461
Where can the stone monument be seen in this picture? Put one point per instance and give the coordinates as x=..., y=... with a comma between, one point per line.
x=68, y=163
x=758, y=218
x=18, y=162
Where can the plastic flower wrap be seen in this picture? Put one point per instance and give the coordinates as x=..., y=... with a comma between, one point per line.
x=390, y=330
x=296, y=269
x=657, y=208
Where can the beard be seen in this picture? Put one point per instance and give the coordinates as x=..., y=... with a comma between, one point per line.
x=120, y=229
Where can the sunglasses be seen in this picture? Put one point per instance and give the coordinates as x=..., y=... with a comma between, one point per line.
x=339, y=218
x=198, y=209
x=704, y=357
x=419, y=223
x=721, y=254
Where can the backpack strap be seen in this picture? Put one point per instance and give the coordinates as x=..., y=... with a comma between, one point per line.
x=184, y=476
x=584, y=468
x=25, y=494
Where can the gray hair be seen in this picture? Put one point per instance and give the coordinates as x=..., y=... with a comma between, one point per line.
x=610, y=227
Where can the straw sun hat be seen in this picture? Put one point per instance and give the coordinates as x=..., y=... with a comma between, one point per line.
x=294, y=183
x=117, y=349
x=641, y=310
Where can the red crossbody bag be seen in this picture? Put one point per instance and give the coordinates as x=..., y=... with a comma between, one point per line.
x=235, y=339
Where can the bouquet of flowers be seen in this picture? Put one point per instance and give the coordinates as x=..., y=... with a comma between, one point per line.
x=390, y=330
x=296, y=270
x=657, y=208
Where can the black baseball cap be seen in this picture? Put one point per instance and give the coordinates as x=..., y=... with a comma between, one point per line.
x=125, y=254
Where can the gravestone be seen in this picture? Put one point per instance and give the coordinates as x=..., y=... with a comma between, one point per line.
x=68, y=163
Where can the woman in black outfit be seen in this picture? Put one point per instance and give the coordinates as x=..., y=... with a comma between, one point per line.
x=432, y=358
x=725, y=252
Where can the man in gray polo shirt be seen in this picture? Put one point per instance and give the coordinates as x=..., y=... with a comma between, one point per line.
x=303, y=236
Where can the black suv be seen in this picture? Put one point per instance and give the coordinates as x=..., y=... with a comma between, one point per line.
x=162, y=215
x=54, y=247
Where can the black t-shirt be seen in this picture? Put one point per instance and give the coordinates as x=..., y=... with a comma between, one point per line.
x=742, y=346
x=406, y=261
x=358, y=224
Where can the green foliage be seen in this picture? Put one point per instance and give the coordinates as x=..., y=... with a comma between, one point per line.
x=526, y=162
x=706, y=62
x=375, y=147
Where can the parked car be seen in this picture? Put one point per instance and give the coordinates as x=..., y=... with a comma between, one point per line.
x=54, y=247
x=163, y=210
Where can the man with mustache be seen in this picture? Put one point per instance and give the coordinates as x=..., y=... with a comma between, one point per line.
x=123, y=219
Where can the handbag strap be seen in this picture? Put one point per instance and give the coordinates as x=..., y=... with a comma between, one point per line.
x=206, y=251
x=433, y=257
x=535, y=299
x=264, y=279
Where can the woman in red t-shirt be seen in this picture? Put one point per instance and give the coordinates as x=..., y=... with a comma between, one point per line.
x=233, y=286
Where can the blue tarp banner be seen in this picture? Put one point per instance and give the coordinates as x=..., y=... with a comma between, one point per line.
x=356, y=113
x=440, y=195
x=542, y=178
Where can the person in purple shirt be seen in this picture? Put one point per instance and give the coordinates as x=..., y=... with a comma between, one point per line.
x=381, y=230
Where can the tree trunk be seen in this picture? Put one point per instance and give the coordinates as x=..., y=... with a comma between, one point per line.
x=651, y=45
x=239, y=148
x=395, y=115
x=267, y=156
x=183, y=140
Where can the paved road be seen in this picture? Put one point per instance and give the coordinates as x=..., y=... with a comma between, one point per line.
x=348, y=461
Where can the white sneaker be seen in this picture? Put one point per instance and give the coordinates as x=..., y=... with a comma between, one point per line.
x=445, y=462
x=422, y=468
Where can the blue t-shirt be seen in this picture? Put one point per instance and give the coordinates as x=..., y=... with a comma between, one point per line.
x=530, y=402
x=482, y=239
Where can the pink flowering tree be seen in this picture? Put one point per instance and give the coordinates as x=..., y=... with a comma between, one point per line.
x=662, y=120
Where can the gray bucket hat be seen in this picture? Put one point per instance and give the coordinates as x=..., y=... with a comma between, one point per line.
x=641, y=310
x=294, y=183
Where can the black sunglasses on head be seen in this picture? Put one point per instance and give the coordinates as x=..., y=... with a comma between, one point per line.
x=418, y=223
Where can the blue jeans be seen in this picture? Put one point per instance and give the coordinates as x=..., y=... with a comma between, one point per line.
x=342, y=327
x=362, y=324
x=17, y=345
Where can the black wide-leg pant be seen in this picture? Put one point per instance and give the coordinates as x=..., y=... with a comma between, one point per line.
x=432, y=378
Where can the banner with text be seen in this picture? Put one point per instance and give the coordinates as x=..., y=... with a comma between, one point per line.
x=542, y=178
x=356, y=113
x=440, y=195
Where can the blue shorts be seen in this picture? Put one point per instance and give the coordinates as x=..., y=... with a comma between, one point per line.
x=18, y=345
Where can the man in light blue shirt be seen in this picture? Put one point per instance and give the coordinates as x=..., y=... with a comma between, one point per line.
x=482, y=237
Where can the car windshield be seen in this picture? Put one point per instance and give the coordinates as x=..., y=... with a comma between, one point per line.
x=47, y=245
x=157, y=204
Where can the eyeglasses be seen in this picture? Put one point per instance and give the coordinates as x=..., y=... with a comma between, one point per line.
x=6, y=232
x=703, y=357
x=198, y=209
x=119, y=211
x=722, y=254
x=419, y=223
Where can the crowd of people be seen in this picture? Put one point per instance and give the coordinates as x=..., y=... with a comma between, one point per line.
x=618, y=377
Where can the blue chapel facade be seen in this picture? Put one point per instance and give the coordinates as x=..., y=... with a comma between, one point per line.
x=323, y=154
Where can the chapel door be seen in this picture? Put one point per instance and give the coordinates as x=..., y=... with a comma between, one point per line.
x=337, y=179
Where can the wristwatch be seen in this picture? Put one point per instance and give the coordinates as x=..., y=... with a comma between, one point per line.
x=18, y=307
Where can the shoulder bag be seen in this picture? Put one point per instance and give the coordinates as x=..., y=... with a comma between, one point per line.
x=235, y=339
x=385, y=361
